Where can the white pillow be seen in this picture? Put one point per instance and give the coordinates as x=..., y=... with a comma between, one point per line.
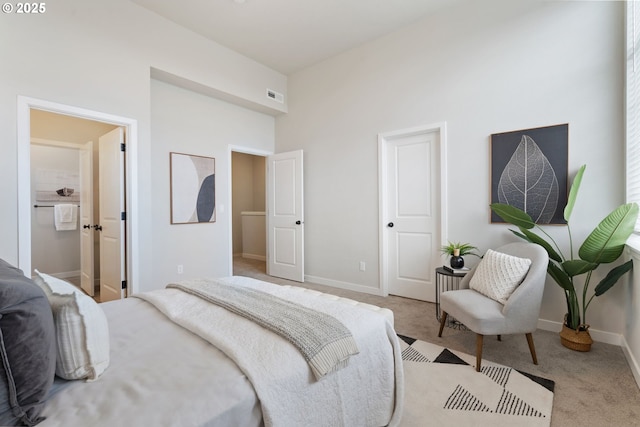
x=498, y=275
x=82, y=331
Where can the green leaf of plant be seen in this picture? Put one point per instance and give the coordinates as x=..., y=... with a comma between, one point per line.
x=573, y=193
x=513, y=215
x=612, y=277
x=573, y=310
x=534, y=238
x=560, y=277
x=520, y=235
x=575, y=267
x=466, y=249
x=606, y=243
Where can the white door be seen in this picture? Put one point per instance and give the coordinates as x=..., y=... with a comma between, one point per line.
x=112, y=241
x=86, y=219
x=285, y=217
x=411, y=222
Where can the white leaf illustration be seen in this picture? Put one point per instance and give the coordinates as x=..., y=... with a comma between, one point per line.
x=528, y=182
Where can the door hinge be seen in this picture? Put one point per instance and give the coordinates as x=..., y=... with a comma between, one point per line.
x=123, y=216
x=124, y=284
x=122, y=147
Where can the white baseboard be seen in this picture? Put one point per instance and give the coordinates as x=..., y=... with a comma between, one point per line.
x=66, y=274
x=253, y=256
x=548, y=325
x=631, y=360
x=596, y=335
x=343, y=285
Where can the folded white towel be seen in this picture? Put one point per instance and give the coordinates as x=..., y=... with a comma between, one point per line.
x=65, y=217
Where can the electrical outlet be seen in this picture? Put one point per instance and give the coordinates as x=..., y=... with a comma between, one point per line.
x=363, y=266
x=180, y=269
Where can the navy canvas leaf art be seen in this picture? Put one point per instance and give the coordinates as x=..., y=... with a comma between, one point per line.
x=529, y=182
x=529, y=172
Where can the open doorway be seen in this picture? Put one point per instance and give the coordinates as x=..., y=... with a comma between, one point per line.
x=127, y=271
x=248, y=195
x=65, y=155
x=283, y=201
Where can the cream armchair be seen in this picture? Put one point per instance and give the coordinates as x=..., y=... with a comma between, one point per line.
x=486, y=316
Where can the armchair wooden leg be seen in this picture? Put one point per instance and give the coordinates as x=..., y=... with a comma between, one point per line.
x=478, y=351
x=443, y=320
x=532, y=348
x=499, y=337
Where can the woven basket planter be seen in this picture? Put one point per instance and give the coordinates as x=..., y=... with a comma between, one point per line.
x=579, y=340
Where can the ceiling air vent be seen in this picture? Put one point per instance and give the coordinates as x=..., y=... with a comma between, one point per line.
x=275, y=96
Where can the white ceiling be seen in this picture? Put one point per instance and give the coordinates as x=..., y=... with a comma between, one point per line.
x=289, y=35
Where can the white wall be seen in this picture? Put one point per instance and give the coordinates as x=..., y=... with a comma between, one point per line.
x=190, y=123
x=53, y=252
x=99, y=55
x=483, y=67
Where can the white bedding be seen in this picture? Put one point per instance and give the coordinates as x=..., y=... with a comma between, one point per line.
x=367, y=392
x=162, y=375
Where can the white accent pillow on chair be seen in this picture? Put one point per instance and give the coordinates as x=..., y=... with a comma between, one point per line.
x=498, y=275
x=82, y=331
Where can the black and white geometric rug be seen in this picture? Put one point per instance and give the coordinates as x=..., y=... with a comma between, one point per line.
x=442, y=388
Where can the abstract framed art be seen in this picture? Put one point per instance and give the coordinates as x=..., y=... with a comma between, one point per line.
x=193, y=188
x=529, y=170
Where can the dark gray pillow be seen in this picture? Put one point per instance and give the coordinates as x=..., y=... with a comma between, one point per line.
x=27, y=348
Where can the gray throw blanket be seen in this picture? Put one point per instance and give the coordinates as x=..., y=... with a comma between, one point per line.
x=324, y=342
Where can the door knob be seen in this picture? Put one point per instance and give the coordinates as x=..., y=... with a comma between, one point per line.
x=86, y=226
x=298, y=222
x=390, y=225
x=97, y=227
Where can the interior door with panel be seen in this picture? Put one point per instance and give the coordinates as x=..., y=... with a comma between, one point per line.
x=412, y=220
x=87, y=275
x=285, y=216
x=112, y=208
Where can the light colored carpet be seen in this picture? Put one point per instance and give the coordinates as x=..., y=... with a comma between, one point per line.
x=593, y=389
x=442, y=388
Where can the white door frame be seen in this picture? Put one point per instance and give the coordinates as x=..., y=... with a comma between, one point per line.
x=383, y=140
x=25, y=104
x=245, y=150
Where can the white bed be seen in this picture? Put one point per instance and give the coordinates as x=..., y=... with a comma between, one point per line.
x=161, y=374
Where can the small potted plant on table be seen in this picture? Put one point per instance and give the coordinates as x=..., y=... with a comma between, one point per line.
x=457, y=251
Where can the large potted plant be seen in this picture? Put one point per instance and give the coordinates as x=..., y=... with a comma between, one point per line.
x=604, y=245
